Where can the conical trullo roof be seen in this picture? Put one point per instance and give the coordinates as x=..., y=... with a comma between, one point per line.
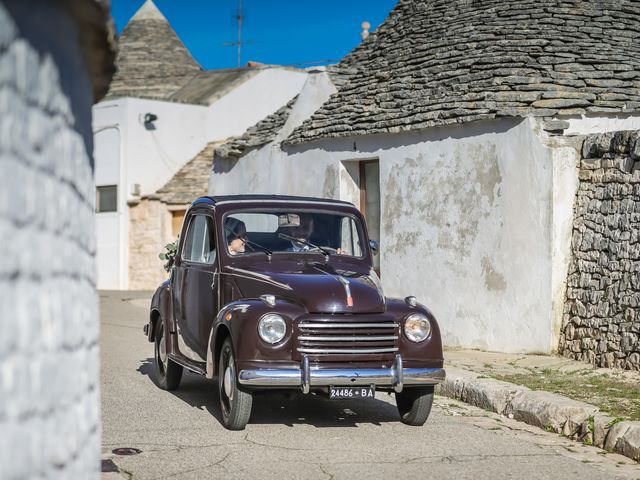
x=151, y=62
x=440, y=62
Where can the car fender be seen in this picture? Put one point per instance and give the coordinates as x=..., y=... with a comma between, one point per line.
x=239, y=320
x=425, y=353
x=160, y=308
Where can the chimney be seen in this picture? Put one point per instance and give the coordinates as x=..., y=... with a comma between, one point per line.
x=365, y=30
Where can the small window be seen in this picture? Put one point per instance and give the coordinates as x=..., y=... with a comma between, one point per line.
x=199, y=245
x=107, y=199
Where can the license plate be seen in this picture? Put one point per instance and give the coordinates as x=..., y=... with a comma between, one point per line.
x=351, y=392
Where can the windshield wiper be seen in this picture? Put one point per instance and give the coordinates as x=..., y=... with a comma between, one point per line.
x=305, y=242
x=251, y=244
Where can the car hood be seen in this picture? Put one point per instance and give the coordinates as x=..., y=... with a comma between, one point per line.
x=320, y=287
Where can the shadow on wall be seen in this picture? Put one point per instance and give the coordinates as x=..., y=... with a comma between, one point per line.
x=35, y=24
x=282, y=407
x=373, y=143
x=223, y=165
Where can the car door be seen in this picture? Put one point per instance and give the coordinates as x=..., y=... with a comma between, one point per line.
x=196, y=277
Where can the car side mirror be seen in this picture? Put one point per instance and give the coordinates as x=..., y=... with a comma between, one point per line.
x=374, y=246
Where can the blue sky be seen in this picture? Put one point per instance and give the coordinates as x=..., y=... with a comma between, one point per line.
x=284, y=32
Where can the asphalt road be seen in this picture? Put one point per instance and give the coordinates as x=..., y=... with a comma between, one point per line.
x=305, y=436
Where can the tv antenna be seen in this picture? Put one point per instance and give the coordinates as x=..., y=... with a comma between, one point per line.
x=238, y=44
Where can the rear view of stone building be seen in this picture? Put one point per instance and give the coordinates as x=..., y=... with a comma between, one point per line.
x=459, y=132
x=56, y=59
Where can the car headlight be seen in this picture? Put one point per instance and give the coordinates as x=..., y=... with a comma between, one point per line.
x=272, y=328
x=417, y=327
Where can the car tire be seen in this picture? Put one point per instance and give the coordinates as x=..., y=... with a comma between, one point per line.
x=235, y=404
x=414, y=405
x=168, y=373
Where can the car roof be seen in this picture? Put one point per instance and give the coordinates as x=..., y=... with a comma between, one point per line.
x=220, y=199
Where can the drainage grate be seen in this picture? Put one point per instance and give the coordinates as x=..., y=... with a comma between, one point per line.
x=126, y=451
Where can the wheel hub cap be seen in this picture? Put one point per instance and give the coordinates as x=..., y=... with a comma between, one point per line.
x=227, y=383
x=163, y=351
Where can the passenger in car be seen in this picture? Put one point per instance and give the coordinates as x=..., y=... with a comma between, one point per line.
x=236, y=233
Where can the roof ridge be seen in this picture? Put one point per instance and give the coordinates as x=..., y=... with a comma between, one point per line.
x=148, y=11
x=152, y=61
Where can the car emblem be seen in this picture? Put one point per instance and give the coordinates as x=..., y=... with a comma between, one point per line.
x=347, y=291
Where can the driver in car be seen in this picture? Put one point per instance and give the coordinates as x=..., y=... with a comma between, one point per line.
x=300, y=235
x=301, y=232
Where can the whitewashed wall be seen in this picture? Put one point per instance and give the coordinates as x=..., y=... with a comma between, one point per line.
x=150, y=155
x=127, y=153
x=49, y=399
x=252, y=100
x=476, y=219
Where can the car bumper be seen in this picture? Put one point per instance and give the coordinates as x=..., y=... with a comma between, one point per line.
x=306, y=377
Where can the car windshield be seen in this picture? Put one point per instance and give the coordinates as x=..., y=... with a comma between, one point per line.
x=292, y=231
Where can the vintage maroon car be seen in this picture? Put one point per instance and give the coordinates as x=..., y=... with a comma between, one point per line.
x=278, y=292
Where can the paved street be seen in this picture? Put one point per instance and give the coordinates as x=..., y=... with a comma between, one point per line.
x=297, y=436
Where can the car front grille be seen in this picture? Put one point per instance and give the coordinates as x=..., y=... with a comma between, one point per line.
x=350, y=338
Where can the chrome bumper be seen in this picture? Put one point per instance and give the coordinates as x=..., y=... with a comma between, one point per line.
x=305, y=377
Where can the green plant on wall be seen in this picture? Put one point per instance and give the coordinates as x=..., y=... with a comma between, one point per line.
x=169, y=255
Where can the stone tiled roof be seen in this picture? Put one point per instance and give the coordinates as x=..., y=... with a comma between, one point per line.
x=151, y=61
x=438, y=62
x=259, y=134
x=191, y=181
x=206, y=87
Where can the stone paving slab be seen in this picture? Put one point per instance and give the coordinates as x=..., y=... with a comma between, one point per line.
x=546, y=410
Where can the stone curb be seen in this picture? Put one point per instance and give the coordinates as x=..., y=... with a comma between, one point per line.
x=550, y=411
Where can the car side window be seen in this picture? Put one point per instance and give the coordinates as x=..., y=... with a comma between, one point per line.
x=200, y=245
x=350, y=240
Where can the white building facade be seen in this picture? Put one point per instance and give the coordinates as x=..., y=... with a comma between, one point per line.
x=140, y=143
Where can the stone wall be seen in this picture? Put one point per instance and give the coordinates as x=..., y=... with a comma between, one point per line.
x=601, y=323
x=49, y=398
x=149, y=232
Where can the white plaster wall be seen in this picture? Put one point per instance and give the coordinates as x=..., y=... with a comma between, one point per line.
x=467, y=221
x=110, y=260
x=139, y=155
x=49, y=318
x=565, y=161
x=251, y=101
x=474, y=207
x=268, y=169
x=154, y=155
x=603, y=123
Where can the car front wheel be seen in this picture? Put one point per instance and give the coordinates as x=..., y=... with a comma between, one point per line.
x=168, y=373
x=235, y=404
x=414, y=405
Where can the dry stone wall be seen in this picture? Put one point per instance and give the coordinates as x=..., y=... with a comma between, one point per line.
x=601, y=322
x=49, y=398
x=149, y=232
